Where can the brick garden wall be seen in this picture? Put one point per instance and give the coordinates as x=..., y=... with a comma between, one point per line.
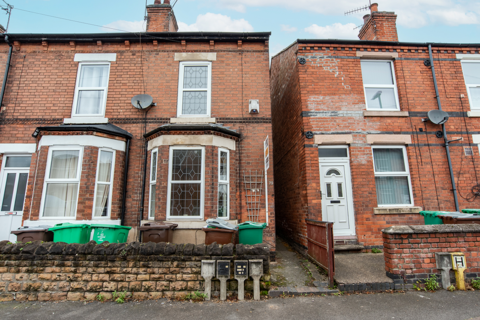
x=57, y=271
x=410, y=250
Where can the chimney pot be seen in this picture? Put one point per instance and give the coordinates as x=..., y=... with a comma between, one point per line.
x=373, y=7
x=158, y=2
x=365, y=18
x=166, y=2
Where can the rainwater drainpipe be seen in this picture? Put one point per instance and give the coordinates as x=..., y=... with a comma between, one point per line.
x=125, y=177
x=445, y=137
x=6, y=70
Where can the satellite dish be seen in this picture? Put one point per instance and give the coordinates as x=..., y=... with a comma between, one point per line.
x=437, y=116
x=142, y=101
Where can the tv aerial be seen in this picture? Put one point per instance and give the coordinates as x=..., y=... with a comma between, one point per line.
x=142, y=101
x=366, y=7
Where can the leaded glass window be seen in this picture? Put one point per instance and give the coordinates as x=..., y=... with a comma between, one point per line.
x=186, y=181
x=194, y=89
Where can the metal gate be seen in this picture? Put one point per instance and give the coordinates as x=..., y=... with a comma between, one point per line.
x=320, y=246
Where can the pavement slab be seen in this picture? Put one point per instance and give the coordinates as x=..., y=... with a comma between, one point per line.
x=354, y=268
x=440, y=305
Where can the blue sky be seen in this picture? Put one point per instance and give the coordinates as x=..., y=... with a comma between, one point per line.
x=455, y=21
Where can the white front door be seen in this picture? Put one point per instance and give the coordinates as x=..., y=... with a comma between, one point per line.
x=336, y=189
x=13, y=186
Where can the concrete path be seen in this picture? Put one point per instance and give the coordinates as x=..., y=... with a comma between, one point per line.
x=353, y=268
x=288, y=270
x=411, y=305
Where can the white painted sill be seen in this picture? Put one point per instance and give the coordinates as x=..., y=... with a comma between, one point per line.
x=473, y=114
x=397, y=210
x=187, y=120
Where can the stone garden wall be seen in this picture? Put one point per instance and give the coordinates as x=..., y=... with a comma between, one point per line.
x=59, y=271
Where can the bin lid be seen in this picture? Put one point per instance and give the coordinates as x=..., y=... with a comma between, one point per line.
x=208, y=229
x=437, y=213
x=110, y=226
x=67, y=225
x=471, y=210
x=36, y=228
x=252, y=225
x=221, y=223
x=157, y=226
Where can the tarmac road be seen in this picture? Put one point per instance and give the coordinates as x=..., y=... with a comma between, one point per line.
x=411, y=305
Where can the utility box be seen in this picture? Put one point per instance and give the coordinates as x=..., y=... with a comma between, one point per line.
x=223, y=274
x=254, y=107
x=444, y=264
x=208, y=272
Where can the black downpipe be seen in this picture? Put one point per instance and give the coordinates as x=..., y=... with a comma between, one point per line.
x=125, y=177
x=445, y=137
x=7, y=68
x=142, y=203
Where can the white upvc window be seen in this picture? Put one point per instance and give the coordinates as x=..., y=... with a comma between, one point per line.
x=153, y=184
x=392, y=176
x=223, y=184
x=379, y=85
x=471, y=74
x=186, y=183
x=13, y=182
x=62, y=182
x=91, y=89
x=194, y=89
x=102, y=205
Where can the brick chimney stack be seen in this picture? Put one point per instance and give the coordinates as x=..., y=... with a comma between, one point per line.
x=160, y=17
x=379, y=25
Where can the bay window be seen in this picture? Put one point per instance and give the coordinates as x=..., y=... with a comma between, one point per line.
x=103, y=187
x=62, y=179
x=153, y=184
x=186, y=182
x=392, y=176
x=223, y=183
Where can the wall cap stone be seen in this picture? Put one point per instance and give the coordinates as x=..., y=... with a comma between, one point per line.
x=440, y=228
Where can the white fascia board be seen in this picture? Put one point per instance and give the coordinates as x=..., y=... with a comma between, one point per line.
x=86, y=57
x=17, y=147
x=462, y=56
x=91, y=141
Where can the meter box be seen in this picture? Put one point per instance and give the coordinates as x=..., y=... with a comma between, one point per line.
x=241, y=268
x=223, y=268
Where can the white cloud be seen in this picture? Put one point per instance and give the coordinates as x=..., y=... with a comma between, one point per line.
x=122, y=25
x=411, y=14
x=287, y=28
x=216, y=22
x=334, y=31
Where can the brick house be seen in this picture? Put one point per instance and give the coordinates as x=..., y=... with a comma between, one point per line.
x=352, y=141
x=76, y=149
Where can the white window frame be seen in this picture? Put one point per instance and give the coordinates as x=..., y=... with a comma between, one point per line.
x=202, y=183
x=17, y=170
x=184, y=64
x=224, y=182
x=154, y=156
x=78, y=89
x=47, y=180
x=468, y=86
x=109, y=212
x=395, y=174
x=394, y=86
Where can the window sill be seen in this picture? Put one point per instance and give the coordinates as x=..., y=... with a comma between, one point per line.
x=85, y=120
x=396, y=210
x=473, y=114
x=193, y=120
x=372, y=113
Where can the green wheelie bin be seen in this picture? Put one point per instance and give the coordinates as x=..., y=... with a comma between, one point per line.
x=251, y=232
x=71, y=233
x=110, y=233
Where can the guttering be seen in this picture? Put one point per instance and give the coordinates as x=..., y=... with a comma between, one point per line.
x=94, y=128
x=193, y=128
x=445, y=137
x=7, y=68
x=385, y=43
x=125, y=179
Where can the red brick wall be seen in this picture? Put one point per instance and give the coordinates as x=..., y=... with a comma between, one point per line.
x=41, y=88
x=328, y=89
x=410, y=251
